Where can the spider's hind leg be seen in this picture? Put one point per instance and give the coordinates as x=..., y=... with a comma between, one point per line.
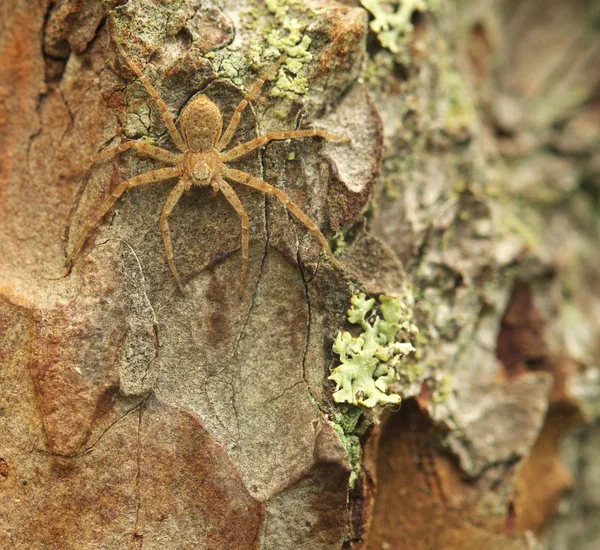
x=172, y=200
x=251, y=181
x=234, y=200
x=137, y=181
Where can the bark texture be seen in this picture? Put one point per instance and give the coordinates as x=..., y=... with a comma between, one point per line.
x=134, y=417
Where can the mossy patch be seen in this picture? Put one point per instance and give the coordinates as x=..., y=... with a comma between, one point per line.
x=345, y=420
x=443, y=388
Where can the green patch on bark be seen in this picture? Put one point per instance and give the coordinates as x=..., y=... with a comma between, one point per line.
x=442, y=389
x=345, y=421
x=392, y=20
x=370, y=362
x=456, y=102
x=280, y=27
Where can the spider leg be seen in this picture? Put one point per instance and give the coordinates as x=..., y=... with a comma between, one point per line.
x=137, y=181
x=237, y=115
x=157, y=99
x=173, y=199
x=234, y=200
x=150, y=150
x=251, y=181
x=255, y=143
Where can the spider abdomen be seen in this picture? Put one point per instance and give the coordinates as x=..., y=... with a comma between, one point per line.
x=201, y=124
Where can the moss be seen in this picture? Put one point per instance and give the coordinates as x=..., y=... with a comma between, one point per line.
x=456, y=101
x=346, y=419
x=352, y=445
x=442, y=389
x=390, y=25
x=370, y=362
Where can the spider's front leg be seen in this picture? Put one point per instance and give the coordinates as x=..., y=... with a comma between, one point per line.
x=245, y=148
x=152, y=151
x=166, y=115
x=234, y=200
x=137, y=181
x=251, y=95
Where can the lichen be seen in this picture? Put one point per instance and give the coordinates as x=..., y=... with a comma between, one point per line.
x=391, y=25
x=284, y=36
x=339, y=243
x=290, y=80
x=370, y=361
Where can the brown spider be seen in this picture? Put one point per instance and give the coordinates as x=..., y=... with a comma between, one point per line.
x=201, y=162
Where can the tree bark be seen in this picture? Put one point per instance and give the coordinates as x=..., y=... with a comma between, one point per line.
x=134, y=416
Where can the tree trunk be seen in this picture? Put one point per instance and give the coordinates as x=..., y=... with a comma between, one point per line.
x=464, y=206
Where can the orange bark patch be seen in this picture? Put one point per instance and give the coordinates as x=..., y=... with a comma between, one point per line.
x=346, y=31
x=188, y=482
x=521, y=345
x=21, y=81
x=544, y=479
x=422, y=500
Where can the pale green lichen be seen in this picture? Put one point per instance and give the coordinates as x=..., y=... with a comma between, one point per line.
x=370, y=361
x=285, y=36
x=235, y=67
x=391, y=25
x=339, y=243
x=290, y=81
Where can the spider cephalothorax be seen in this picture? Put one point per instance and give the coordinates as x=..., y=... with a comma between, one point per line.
x=202, y=162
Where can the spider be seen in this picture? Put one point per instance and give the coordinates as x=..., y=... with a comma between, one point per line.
x=202, y=161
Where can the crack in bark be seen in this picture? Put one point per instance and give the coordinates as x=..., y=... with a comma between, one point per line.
x=248, y=314
x=305, y=283
x=37, y=132
x=307, y=339
x=100, y=437
x=138, y=490
x=273, y=399
x=235, y=411
x=155, y=324
x=71, y=124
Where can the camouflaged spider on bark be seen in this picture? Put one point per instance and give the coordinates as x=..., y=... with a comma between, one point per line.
x=202, y=162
